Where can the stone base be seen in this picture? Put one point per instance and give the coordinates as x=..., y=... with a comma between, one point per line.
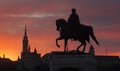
x=83, y=62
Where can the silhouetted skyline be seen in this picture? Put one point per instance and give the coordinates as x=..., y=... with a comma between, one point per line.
x=40, y=15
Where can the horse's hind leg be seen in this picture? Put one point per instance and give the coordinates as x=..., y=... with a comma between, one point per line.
x=57, y=41
x=84, y=47
x=65, y=46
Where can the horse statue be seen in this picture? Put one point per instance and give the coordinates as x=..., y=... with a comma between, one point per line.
x=84, y=34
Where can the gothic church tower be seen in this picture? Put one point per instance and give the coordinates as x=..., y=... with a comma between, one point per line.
x=25, y=42
x=29, y=60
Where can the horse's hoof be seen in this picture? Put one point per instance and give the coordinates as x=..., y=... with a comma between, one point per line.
x=82, y=51
x=77, y=50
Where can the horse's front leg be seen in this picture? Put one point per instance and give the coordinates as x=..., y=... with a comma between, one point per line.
x=79, y=46
x=65, y=46
x=59, y=38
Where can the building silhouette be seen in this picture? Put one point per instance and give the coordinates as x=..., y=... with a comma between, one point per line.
x=7, y=65
x=29, y=60
x=108, y=63
x=32, y=61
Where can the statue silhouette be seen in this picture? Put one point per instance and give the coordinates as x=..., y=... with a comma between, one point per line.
x=74, y=24
x=82, y=36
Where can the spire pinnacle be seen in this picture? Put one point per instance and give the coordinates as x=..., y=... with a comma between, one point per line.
x=25, y=31
x=25, y=41
x=35, y=51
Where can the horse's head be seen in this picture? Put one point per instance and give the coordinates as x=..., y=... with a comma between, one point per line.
x=60, y=23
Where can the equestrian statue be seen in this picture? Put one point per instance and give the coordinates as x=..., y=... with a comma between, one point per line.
x=74, y=30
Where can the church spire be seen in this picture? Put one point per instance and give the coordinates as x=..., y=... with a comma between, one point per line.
x=25, y=41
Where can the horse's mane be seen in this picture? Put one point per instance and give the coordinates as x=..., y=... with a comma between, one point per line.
x=63, y=20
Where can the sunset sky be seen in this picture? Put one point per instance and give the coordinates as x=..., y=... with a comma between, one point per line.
x=40, y=15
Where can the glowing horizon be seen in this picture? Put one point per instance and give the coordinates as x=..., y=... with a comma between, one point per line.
x=40, y=16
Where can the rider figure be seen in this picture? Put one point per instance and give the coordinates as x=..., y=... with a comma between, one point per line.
x=74, y=24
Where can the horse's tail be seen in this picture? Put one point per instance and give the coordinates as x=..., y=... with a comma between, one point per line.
x=91, y=33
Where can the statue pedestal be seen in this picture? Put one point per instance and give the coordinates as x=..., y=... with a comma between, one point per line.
x=83, y=62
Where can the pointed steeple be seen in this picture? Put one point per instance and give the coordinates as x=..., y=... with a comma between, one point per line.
x=25, y=34
x=35, y=51
x=25, y=41
x=25, y=31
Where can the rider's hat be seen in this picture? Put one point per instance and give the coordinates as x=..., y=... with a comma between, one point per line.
x=73, y=10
